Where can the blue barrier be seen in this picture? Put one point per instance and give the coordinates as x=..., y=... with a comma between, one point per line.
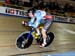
x=61, y=54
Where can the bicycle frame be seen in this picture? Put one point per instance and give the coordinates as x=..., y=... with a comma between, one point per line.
x=33, y=33
x=30, y=33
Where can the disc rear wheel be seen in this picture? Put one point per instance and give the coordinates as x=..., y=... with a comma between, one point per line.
x=49, y=39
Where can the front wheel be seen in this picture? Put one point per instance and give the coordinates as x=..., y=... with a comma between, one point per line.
x=23, y=42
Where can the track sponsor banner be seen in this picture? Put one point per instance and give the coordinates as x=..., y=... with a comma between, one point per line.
x=60, y=18
x=23, y=13
x=64, y=19
x=12, y=11
x=2, y=9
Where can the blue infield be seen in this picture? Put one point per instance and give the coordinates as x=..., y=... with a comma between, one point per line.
x=61, y=54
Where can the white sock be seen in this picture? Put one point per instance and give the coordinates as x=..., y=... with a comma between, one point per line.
x=38, y=32
x=44, y=41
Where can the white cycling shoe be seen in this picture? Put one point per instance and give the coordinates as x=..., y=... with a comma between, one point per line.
x=43, y=44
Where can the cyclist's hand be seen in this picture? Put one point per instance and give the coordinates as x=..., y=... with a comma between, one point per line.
x=24, y=23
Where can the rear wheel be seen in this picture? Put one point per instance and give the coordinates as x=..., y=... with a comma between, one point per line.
x=49, y=39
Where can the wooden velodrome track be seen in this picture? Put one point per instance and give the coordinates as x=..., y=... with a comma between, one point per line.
x=10, y=28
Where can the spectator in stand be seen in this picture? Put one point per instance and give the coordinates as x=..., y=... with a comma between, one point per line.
x=54, y=5
x=12, y=1
x=28, y=3
x=20, y=2
x=16, y=2
x=7, y=1
x=66, y=7
x=40, y=1
x=31, y=3
x=71, y=8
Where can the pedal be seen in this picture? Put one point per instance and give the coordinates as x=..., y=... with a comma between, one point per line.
x=35, y=35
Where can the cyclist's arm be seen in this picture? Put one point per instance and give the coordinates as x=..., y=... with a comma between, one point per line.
x=35, y=25
x=31, y=22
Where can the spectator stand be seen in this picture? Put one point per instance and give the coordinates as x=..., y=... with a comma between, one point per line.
x=58, y=10
x=1, y=3
x=18, y=4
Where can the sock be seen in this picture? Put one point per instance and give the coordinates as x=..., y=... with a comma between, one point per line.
x=38, y=32
x=44, y=41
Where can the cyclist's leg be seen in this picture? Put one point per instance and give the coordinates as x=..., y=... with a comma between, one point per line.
x=43, y=31
x=38, y=31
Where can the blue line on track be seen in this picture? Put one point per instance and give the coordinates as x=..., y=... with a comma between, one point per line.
x=61, y=54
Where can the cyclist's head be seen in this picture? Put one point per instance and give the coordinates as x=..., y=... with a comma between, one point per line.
x=31, y=12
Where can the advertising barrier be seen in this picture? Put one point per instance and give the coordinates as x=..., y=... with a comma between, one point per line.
x=23, y=13
x=62, y=19
x=13, y=12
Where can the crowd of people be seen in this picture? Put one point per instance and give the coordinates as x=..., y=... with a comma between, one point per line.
x=54, y=6
x=20, y=2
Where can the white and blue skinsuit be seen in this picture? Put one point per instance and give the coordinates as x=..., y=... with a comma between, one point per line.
x=38, y=15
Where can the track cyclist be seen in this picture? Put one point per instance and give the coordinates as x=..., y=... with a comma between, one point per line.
x=37, y=17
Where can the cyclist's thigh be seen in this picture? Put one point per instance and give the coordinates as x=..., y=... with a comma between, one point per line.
x=47, y=24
